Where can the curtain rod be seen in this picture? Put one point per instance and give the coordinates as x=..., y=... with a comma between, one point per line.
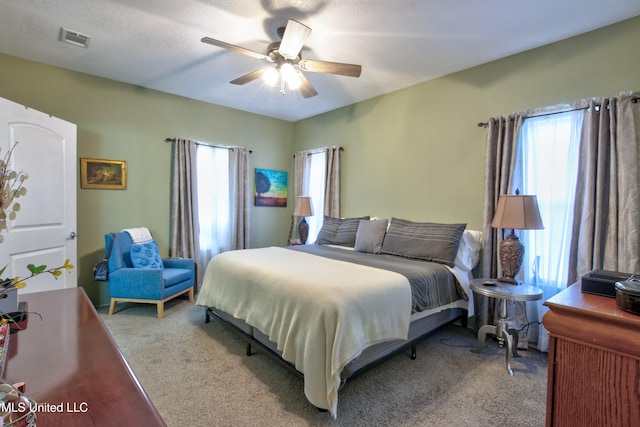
x=634, y=99
x=485, y=124
x=204, y=143
x=320, y=150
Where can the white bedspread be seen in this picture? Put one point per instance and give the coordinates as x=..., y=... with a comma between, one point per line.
x=321, y=313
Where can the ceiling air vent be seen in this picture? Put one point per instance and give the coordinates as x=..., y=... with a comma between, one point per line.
x=73, y=37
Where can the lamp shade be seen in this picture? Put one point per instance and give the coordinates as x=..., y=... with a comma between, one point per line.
x=517, y=212
x=303, y=206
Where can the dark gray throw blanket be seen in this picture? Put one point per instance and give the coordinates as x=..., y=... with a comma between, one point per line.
x=432, y=284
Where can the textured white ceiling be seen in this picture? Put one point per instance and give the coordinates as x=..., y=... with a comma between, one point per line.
x=156, y=43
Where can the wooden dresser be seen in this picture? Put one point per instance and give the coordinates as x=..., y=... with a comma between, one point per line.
x=72, y=367
x=594, y=361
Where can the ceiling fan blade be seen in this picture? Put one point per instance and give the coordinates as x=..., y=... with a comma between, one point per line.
x=235, y=48
x=249, y=77
x=295, y=34
x=306, y=89
x=350, y=70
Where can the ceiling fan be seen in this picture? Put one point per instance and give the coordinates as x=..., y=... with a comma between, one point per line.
x=288, y=62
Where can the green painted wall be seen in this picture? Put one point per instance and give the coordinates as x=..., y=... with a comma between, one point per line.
x=125, y=122
x=419, y=154
x=415, y=154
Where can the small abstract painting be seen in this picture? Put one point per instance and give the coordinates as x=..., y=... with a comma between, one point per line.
x=271, y=188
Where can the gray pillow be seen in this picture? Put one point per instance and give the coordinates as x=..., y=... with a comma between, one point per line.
x=423, y=240
x=370, y=235
x=339, y=231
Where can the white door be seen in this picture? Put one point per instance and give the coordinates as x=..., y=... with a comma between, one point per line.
x=44, y=230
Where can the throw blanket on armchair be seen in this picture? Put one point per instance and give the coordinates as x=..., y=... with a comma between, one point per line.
x=139, y=234
x=321, y=313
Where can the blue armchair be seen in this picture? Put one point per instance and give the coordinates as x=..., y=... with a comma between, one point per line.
x=146, y=285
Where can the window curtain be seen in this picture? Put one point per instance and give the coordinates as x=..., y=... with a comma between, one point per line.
x=332, y=182
x=607, y=209
x=606, y=216
x=501, y=150
x=240, y=193
x=185, y=209
x=184, y=205
x=308, y=178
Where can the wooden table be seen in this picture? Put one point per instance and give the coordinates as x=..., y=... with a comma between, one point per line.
x=73, y=368
x=594, y=361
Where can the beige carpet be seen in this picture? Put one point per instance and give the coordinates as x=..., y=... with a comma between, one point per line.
x=197, y=374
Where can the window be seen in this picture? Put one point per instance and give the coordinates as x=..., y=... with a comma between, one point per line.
x=317, y=174
x=547, y=166
x=212, y=170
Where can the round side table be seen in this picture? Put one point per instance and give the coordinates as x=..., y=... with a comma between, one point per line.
x=503, y=292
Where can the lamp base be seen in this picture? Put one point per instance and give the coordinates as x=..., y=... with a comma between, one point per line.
x=511, y=256
x=303, y=231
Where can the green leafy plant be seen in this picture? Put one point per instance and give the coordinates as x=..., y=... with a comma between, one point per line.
x=17, y=282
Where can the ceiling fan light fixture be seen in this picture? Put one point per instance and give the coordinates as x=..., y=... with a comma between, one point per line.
x=271, y=76
x=290, y=76
x=294, y=81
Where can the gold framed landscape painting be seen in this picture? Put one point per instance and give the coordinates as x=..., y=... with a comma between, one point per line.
x=103, y=174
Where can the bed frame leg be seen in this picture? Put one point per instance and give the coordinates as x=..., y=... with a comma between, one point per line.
x=207, y=317
x=248, y=348
x=413, y=352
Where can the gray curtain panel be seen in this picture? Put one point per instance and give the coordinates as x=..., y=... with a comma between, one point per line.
x=607, y=208
x=332, y=182
x=240, y=182
x=501, y=150
x=184, y=221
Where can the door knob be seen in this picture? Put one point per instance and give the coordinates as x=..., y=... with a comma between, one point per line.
x=73, y=235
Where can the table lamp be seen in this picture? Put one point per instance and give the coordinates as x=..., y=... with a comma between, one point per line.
x=517, y=212
x=303, y=209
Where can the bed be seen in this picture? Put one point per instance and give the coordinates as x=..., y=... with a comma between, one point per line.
x=333, y=309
